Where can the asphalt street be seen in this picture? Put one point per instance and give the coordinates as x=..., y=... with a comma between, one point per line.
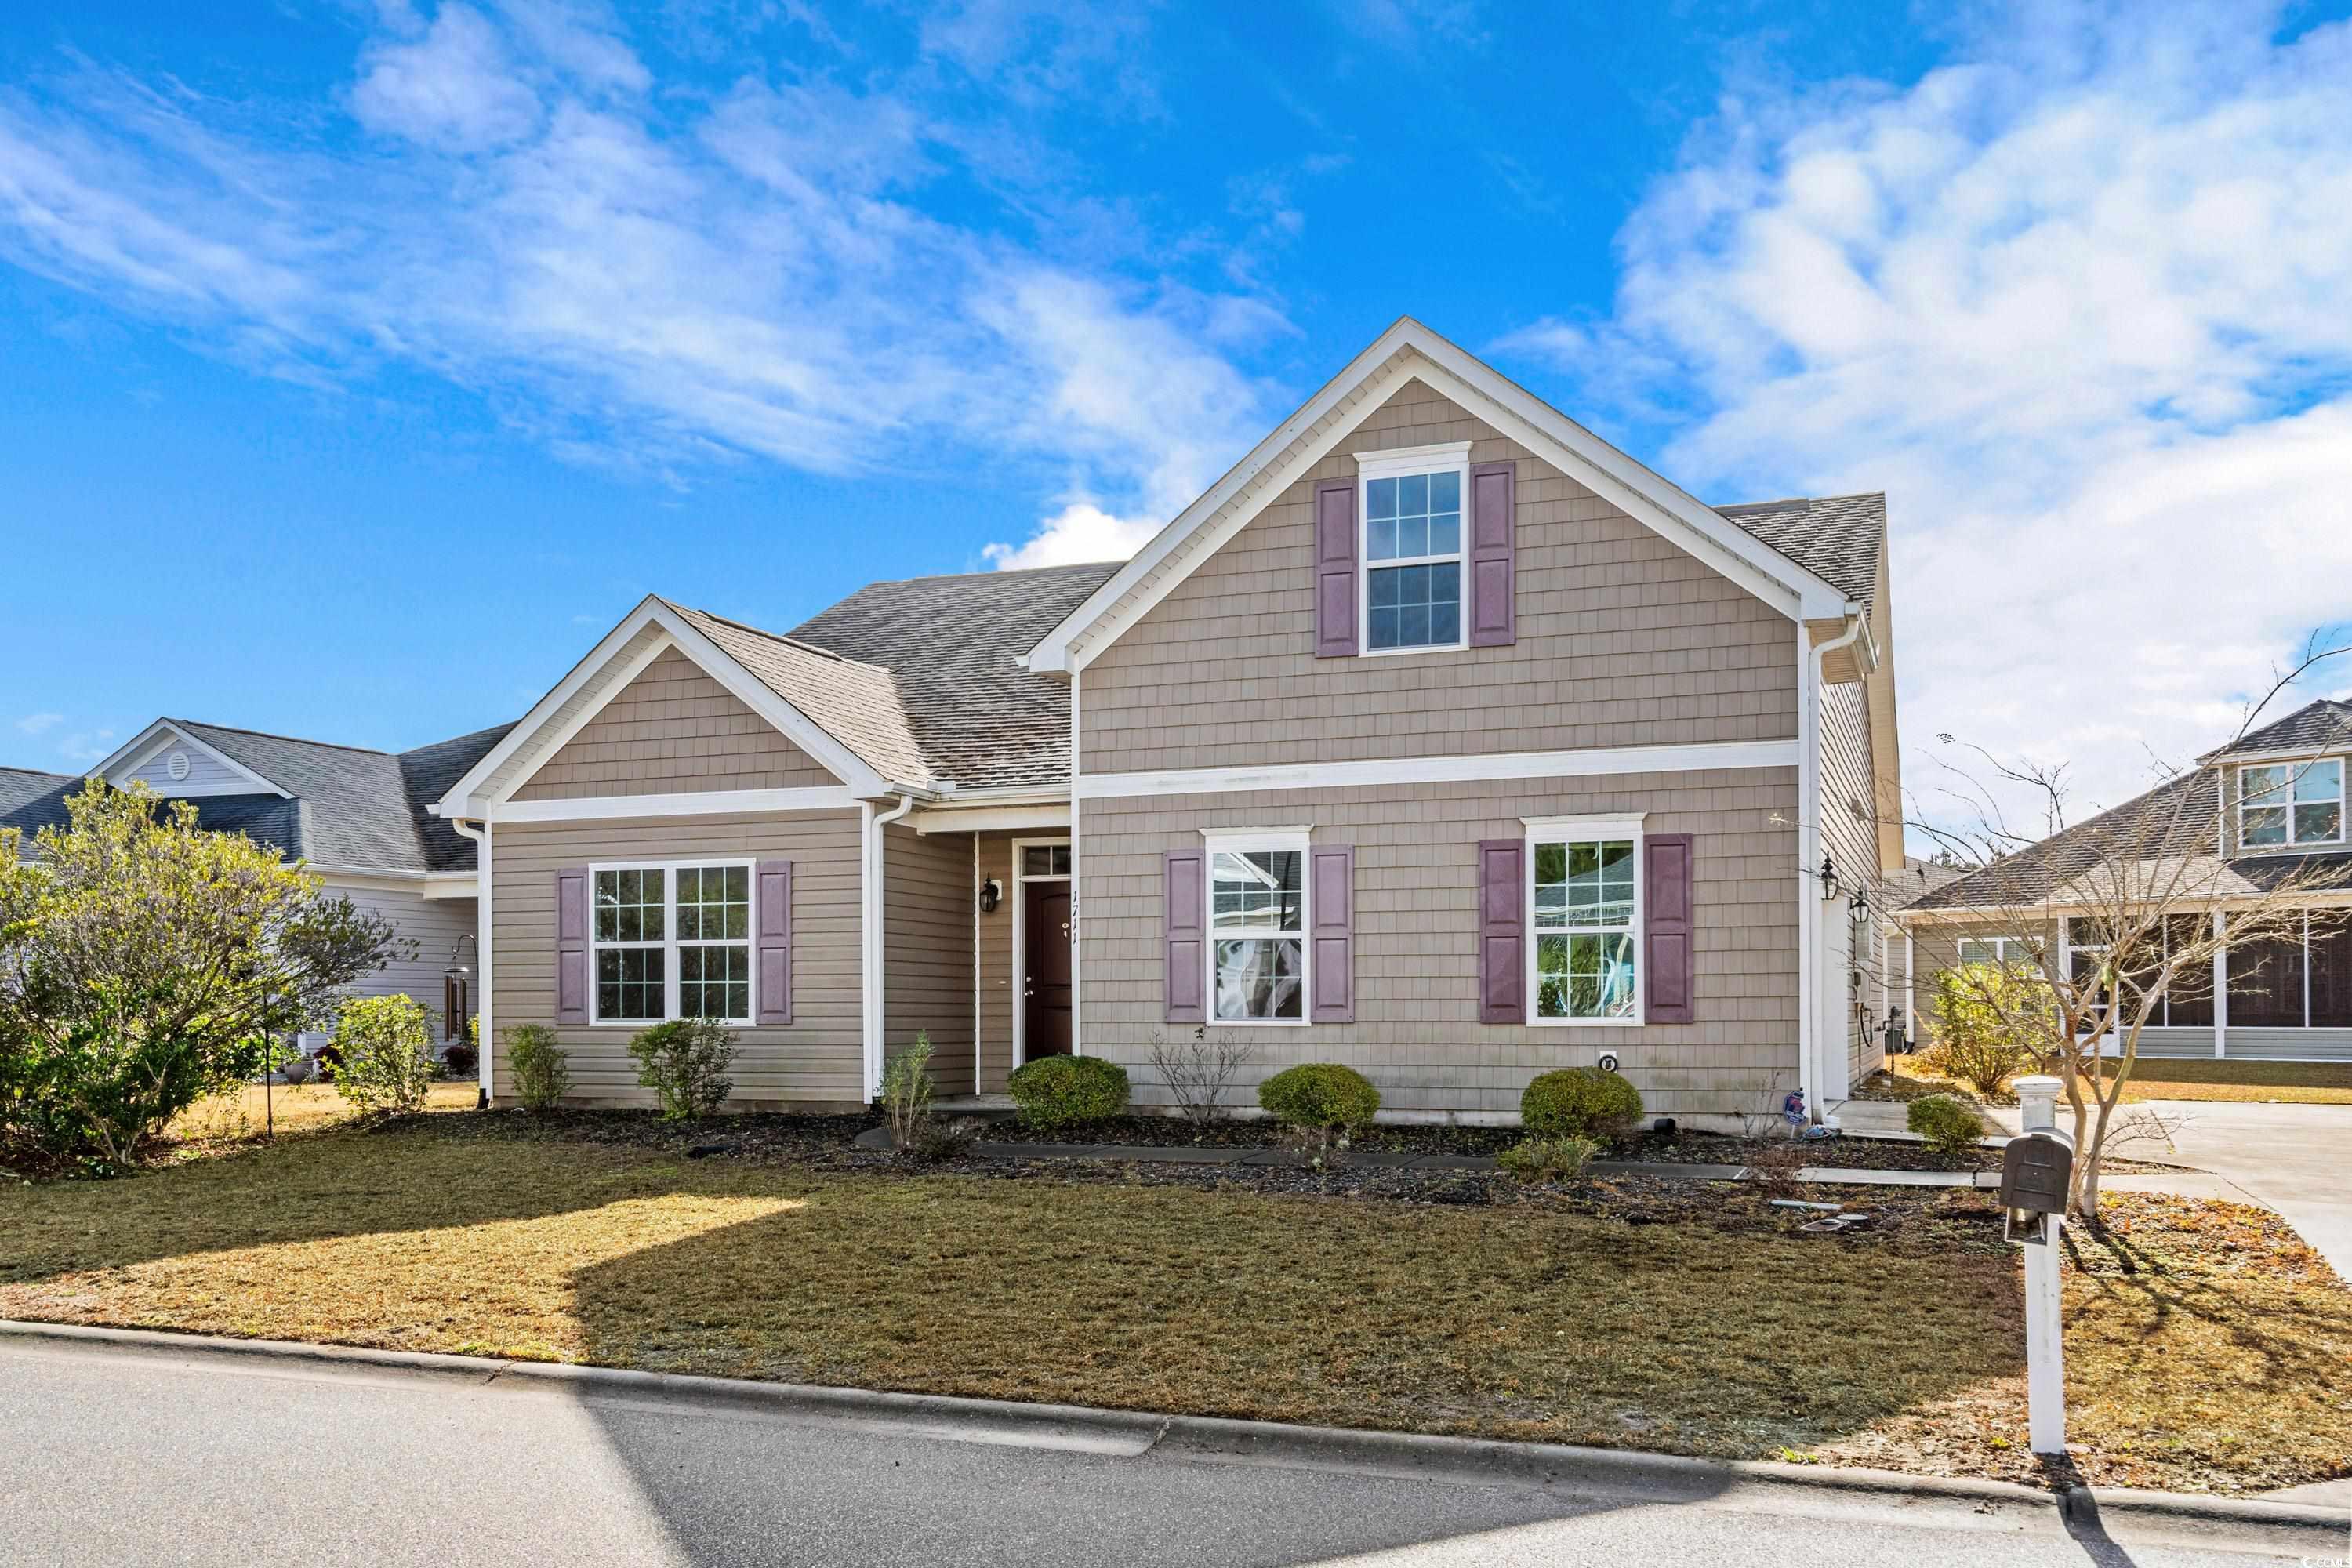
x=110, y=1455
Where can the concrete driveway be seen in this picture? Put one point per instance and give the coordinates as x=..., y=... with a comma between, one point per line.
x=2295, y=1158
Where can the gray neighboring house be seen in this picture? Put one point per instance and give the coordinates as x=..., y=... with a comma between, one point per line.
x=2269, y=804
x=1439, y=738
x=358, y=819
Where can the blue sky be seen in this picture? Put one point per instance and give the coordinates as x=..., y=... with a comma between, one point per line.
x=366, y=361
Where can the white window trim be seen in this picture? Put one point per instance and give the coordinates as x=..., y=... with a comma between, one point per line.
x=1555, y=829
x=1263, y=840
x=2295, y=771
x=1402, y=462
x=669, y=945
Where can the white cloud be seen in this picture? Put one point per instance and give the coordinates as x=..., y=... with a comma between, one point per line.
x=455, y=87
x=40, y=724
x=85, y=746
x=1079, y=532
x=2076, y=303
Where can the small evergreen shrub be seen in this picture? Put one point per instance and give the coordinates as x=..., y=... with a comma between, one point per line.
x=1580, y=1103
x=1949, y=1124
x=387, y=1062
x=1548, y=1159
x=685, y=1063
x=1985, y=1023
x=1320, y=1095
x=1059, y=1091
x=542, y=1068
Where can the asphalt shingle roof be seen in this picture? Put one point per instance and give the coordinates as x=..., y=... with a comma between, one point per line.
x=352, y=808
x=953, y=646
x=855, y=702
x=1838, y=538
x=2323, y=725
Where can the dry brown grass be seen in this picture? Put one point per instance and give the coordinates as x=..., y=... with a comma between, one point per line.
x=2297, y=1083
x=1523, y=1322
x=213, y=1123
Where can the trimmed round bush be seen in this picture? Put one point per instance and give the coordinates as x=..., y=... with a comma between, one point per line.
x=1058, y=1091
x=1580, y=1103
x=1949, y=1124
x=1319, y=1094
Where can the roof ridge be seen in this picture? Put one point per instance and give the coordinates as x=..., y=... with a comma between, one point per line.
x=997, y=572
x=290, y=740
x=788, y=639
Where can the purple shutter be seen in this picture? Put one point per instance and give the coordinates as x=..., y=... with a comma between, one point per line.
x=1493, y=548
x=1335, y=570
x=1666, y=922
x=775, y=901
x=572, y=945
x=1502, y=931
x=1185, y=929
x=1332, y=870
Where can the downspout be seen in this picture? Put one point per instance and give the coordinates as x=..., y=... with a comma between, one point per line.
x=1810, y=1048
x=873, y=825
x=481, y=837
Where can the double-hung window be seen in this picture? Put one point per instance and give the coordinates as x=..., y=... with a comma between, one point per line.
x=1584, y=909
x=2290, y=803
x=2019, y=953
x=1257, y=928
x=671, y=941
x=1412, y=508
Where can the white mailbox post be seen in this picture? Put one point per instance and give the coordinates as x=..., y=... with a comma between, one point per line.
x=2045, y=1357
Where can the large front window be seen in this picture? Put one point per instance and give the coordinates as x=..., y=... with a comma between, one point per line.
x=1413, y=549
x=2292, y=803
x=672, y=941
x=1258, y=929
x=1585, y=912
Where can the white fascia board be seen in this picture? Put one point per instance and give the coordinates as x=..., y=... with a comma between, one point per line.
x=1641, y=494
x=134, y=755
x=992, y=818
x=2335, y=748
x=697, y=802
x=1590, y=762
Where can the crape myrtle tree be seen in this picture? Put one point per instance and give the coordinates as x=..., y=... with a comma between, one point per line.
x=145, y=962
x=2116, y=929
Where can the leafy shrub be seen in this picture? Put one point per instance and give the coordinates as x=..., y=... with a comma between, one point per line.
x=1322, y=1096
x=684, y=1062
x=1580, y=1103
x=1982, y=1015
x=542, y=1068
x=387, y=1061
x=1548, y=1159
x=1949, y=1124
x=907, y=1092
x=1057, y=1091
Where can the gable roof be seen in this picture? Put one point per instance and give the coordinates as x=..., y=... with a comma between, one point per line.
x=2179, y=818
x=20, y=787
x=2323, y=725
x=856, y=703
x=344, y=807
x=954, y=646
x=1409, y=350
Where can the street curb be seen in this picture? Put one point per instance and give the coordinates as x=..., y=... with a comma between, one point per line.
x=1613, y=1473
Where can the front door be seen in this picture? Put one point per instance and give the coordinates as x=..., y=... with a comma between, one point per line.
x=1045, y=955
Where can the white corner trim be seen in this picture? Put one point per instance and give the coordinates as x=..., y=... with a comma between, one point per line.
x=698, y=802
x=1618, y=827
x=134, y=754
x=1414, y=460
x=1587, y=762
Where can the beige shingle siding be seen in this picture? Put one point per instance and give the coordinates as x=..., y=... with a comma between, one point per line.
x=1849, y=819
x=817, y=1059
x=927, y=928
x=1622, y=640
x=1417, y=957
x=997, y=992
x=671, y=730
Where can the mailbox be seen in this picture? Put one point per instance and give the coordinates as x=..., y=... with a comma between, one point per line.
x=2035, y=1172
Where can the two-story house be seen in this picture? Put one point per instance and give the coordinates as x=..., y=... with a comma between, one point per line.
x=2257, y=821
x=1439, y=738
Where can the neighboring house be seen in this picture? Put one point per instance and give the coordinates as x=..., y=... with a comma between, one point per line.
x=356, y=817
x=1439, y=738
x=2269, y=804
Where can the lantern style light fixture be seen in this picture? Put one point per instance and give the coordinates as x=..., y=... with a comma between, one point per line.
x=990, y=893
x=1829, y=878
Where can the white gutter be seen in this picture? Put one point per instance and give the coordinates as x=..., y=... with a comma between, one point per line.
x=1811, y=1049
x=481, y=837
x=870, y=826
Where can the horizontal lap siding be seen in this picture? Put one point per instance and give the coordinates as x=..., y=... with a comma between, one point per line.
x=1623, y=639
x=673, y=730
x=927, y=961
x=1849, y=819
x=1416, y=1033
x=435, y=925
x=996, y=989
x=816, y=1058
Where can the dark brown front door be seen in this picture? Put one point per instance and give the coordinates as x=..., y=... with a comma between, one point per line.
x=1045, y=953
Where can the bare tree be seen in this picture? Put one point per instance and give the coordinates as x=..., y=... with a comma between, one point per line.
x=2125, y=919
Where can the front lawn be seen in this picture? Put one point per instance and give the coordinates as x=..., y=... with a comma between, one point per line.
x=2207, y=1353
x=2295, y=1083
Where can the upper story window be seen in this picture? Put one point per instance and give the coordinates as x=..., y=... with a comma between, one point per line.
x=2290, y=803
x=1257, y=928
x=1584, y=907
x=1412, y=574
x=671, y=941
